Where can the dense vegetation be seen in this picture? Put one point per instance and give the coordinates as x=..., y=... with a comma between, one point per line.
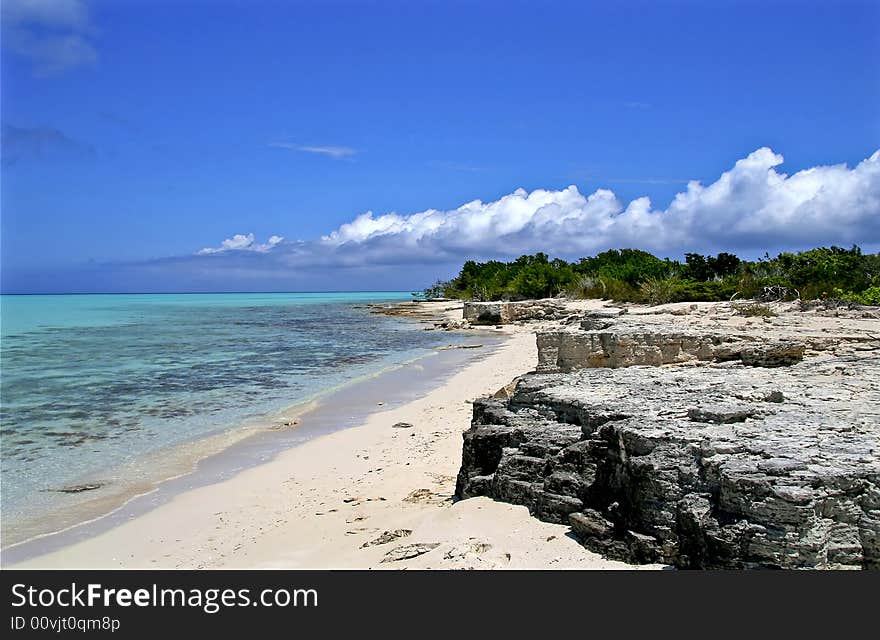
x=630, y=275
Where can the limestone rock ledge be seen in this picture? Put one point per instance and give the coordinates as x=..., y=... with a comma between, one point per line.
x=722, y=465
x=568, y=350
x=486, y=313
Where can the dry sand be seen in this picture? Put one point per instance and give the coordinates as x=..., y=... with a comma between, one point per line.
x=317, y=504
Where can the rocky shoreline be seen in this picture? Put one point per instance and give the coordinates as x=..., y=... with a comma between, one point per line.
x=623, y=462
x=694, y=435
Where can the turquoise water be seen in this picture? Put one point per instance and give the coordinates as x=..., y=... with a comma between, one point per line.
x=90, y=384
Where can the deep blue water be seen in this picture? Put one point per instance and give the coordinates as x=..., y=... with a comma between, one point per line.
x=90, y=383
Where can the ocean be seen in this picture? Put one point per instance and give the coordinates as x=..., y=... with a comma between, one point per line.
x=104, y=389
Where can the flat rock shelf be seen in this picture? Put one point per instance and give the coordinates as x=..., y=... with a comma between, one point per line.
x=699, y=452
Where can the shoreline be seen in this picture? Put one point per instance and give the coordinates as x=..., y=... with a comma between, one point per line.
x=241, y=446
x=34, y=509
x=319, y=503
x=216, y=456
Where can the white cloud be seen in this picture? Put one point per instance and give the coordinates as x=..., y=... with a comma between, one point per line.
x=54, y=35
x=751, y=205
x=326, y=150
x=748, y=209
x=242, y=242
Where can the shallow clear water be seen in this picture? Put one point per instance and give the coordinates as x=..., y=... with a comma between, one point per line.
x=91, y=383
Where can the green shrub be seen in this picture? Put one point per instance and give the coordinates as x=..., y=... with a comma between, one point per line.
x=870, y=296
x=711, y=291
x=621, y=291
x=631, y=275
x=586, y=287
x=439, y=289
x=754, y=310
x=631, y=266
x=656, y=291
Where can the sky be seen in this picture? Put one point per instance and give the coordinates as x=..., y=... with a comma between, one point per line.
x=299, y=146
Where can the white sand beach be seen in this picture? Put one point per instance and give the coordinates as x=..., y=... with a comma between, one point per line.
x=318, y=504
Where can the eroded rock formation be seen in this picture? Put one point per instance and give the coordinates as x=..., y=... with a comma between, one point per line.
x=493, y=313
x=570, y=350
x=725, y=462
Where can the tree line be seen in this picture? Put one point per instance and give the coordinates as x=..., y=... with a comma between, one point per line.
x=632, y=275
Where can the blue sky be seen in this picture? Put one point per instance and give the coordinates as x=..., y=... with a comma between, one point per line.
x=136, y=134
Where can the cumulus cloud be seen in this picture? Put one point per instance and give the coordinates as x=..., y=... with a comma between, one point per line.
x=326, y=150
x=750, y=208
x=242, y=242
x=54, y=35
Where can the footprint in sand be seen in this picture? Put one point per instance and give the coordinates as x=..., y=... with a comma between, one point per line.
x=360, y=530
x=357, y=518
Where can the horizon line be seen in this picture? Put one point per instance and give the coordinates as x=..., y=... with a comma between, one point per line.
x=192, y=293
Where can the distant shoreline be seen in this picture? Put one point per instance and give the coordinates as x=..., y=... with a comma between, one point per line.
x=195, y=293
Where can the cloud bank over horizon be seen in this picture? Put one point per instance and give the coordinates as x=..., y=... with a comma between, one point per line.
x=752, y=206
